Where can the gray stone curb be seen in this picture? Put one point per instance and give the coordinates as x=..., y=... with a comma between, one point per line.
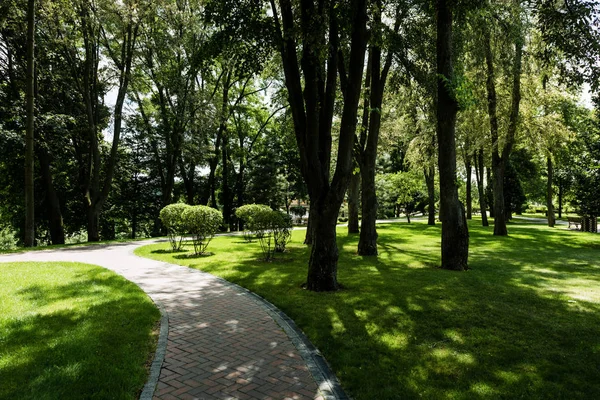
x=329, y=385
x=159, y=355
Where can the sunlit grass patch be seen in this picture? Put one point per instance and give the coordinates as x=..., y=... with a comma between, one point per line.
x=523, y=322
x=72, y=331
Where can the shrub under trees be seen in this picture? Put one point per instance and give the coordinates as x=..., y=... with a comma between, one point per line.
x=171, y=217
x=247, y=214
x=202, y=222
x=272, y=228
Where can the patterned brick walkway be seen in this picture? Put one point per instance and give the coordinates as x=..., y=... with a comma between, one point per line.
x=221, y=343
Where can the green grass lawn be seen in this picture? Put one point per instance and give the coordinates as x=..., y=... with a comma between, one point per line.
x=523, y=322
x=73, y=331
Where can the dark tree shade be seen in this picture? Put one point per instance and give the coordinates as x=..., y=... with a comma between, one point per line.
x=455, y=234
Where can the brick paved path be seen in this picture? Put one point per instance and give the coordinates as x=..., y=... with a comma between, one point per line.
x=221, y=343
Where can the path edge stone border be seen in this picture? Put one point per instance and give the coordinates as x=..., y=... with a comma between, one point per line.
x=328, y=383
x=159, y=354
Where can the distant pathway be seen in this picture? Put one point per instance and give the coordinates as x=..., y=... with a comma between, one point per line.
x=222, y=343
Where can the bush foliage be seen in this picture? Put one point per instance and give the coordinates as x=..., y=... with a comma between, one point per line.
x=8, y=240
x=202, y=222
x=171, y=217
x=273, y=230
x=247, y=214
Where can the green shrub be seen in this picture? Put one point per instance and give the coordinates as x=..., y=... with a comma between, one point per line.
x=202, y=222
x=246, y=213
x=8, y=241
x=273, y=230
x=171, y=217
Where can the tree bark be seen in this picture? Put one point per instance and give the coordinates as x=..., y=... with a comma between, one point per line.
x=367, y=245
x=469, y=195
x=560, y=197
x=500, y=157
x=55, y=220
x=353, y=203
x=480, y=187
x=312, y=96
x=489, y=191
x=430, y=182
x=29, y=198
x=550, y=193
x=455, y=234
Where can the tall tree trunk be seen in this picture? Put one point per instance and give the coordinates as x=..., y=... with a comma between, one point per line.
x=309, y=236
x=469, y=195
x=550, y=193
x=353, y=203
x=430, y=182
x=489, y=191
x=367, y=245
x=455, y=234
x=227, y=204
x=560, y=197
x=55, y=220
x=500, y=156
x=480, y=187
x=29, y=198
x=96, y=193
x=312, y=95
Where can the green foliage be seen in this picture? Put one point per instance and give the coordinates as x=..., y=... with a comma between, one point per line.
x=247, y=214
x=8, y=241
x=171, y=217
x=404, y=190
x=273, y=230
x=202, y=222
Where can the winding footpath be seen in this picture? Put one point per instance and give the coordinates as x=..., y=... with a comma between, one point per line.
x=223, y=342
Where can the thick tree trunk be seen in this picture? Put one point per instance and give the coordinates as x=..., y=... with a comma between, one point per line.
x=480, y=187
x=93, y=224
x=310, y=234
x=322, y=267
x=353, y=203
x=430, y=182
x=469, y=195
x=367, y=244
x=455, y=234
x=55, y=221
x=312, y=95
x=29, y=199
x=550, y=193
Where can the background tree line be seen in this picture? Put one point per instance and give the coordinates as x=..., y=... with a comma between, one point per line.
x=386, y=106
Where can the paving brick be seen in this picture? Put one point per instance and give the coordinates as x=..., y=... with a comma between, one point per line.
x=221, y=343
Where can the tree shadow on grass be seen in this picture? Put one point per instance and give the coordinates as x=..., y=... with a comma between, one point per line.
x=507, y=328
x=97, y=348
x=168, y=251
x=192, y=256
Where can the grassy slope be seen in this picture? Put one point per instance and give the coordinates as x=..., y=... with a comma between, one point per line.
x=524, y=322
x=72, y=331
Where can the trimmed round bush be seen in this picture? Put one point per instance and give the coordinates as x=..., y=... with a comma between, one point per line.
x=247, y=213
x=202, y=222
x=273, y=230
x=171, y=218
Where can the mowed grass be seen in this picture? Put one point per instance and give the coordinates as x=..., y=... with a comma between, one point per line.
x=73, y=331
x=523, y=322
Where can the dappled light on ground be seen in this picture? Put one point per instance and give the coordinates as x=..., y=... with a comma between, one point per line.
x=524, y=321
